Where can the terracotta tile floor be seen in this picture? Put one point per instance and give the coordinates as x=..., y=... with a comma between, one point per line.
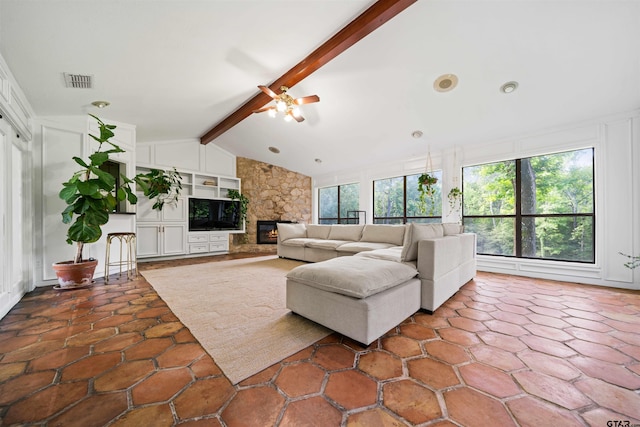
x=503, y=351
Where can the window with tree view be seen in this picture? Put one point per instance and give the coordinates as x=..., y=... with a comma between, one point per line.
x=339, y=204
x=398, y=200
x=537, y=207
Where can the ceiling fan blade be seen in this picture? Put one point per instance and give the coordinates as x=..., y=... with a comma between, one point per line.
x=306, y=100
x=262, y=110
x=298, y=117
x=268, y=91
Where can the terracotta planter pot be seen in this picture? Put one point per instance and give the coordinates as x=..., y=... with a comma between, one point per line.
x=72, y=275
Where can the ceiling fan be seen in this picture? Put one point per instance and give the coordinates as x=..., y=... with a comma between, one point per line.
x=286, y=104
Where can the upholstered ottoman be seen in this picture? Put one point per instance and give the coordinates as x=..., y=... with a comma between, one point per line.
x=361, y=298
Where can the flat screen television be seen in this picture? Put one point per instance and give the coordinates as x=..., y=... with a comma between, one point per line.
x=211, y=214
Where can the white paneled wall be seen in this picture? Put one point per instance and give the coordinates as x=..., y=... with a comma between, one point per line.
x=16, y=217
x=16, y=208
x=61, y=138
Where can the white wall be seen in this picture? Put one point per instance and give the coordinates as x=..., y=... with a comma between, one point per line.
x=616, y=140
x=188, y=154
x=58, y=139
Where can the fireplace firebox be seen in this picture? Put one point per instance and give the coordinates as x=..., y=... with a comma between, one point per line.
x=268, y=232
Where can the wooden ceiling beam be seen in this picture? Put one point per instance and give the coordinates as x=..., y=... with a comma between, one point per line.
x=371, y=19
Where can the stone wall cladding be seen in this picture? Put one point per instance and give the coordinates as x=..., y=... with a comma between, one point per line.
x=274, y=193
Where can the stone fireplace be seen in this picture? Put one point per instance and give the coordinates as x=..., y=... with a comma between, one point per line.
x=275, y=194
x=267, y=232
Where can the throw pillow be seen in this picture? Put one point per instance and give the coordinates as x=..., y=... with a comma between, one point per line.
x=451, y=228
x=291, y=231
x=318, y=231
x=346, y=232
x=379, y=233
x=414, y=234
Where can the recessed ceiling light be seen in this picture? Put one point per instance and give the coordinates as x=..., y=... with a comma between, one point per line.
x=100, y=104
x=416, y=134
x=509, y=87
x=274, y=150
x=445, y=82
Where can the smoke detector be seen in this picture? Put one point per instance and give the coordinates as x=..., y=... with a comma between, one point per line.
x=100, y=104
x=509, y=87
x=445, y=83
x=78, y=81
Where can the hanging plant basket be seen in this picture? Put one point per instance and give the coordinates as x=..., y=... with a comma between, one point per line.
x=426, y=187
x=455, y=200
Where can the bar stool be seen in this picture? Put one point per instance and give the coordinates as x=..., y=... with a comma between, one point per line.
x=127, y=239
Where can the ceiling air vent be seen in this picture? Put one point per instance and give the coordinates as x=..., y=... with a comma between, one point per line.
x=78, y=81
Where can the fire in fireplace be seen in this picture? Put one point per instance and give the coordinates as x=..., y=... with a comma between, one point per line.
x=268, y=232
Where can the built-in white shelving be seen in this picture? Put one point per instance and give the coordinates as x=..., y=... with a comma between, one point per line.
x=167, y=233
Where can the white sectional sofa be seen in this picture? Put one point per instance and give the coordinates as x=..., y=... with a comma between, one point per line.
x=368, y=278
x=314, y=243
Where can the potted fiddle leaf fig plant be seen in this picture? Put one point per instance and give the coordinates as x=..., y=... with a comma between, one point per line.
x=92, y=195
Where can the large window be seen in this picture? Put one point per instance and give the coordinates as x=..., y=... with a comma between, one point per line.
x=537, y=207
x=397, y=201
x=339, y=204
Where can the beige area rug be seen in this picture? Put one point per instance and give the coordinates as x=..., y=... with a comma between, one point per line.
x=237, y=311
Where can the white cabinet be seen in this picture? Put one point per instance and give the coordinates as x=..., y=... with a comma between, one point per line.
x=208, y=241
x=161, y=233
x=165, y=233
x=161, y=239
x=218, y=242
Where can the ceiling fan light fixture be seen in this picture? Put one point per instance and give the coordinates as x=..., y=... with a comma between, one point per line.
x=286, y=104
x=445, y=83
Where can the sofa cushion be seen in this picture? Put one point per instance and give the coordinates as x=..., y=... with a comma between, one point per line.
x=296, y=241
x=316, y=231
x=379, y=233
x=415, y=233
x=346, y=232
x=325, y=244
x=355, y=247
x=356, y=277
x=393, y=253
x=451, y=228
x=290, y=231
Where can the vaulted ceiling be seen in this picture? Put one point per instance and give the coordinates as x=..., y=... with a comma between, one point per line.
x=175, y=69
